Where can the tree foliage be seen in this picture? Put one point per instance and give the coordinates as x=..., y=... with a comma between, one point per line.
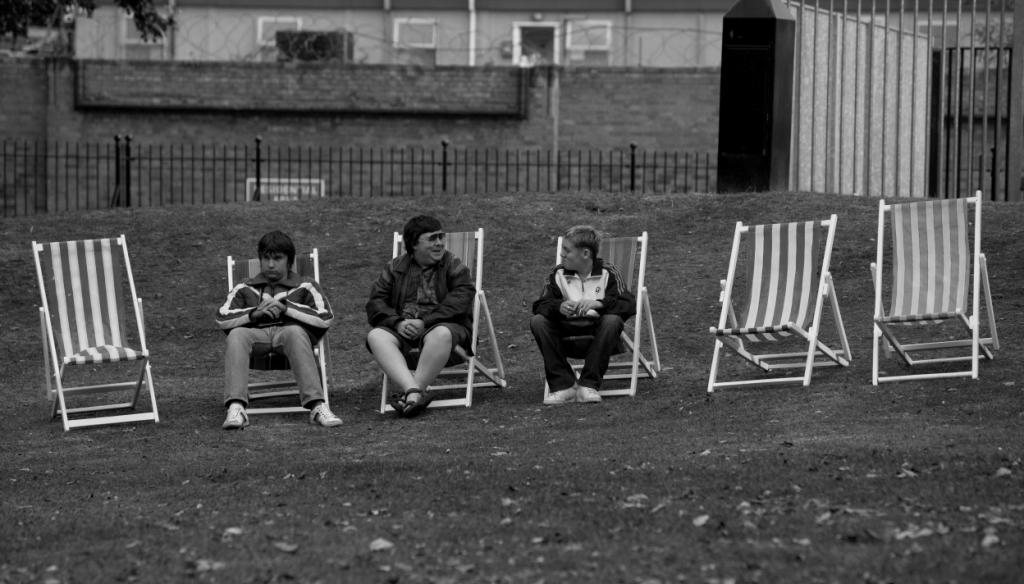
x=17, y=15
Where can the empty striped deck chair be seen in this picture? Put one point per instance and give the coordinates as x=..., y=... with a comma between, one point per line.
x=83, y=322
x=306, y=265
x=931, y=260
x=629, y=256
x=783, y=299
x=468, y=246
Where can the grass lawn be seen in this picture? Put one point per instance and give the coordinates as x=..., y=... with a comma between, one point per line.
x=838, y=482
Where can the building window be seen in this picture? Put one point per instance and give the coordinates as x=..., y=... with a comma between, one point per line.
x=588, y=42
x=415, y=41
x=135, y=48
x=266, y=31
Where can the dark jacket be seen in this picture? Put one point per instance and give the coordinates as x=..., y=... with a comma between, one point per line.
x=455, y=292
x=304, y=299
x=603, y=284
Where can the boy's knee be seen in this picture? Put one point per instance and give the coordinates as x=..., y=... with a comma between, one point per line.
x=612, y=321
x=539, y=322
x=439, y=334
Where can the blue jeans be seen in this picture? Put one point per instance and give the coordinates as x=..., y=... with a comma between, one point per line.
x=290, y=341
x=557, y=369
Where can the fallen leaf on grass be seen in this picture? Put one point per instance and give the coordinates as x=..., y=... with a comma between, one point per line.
x=823, y=517
x=230, y=532
x=802, y=541
x=989, y=540
x=705, y=453
x=636, y=501
x=1003, y=472
x=380, y=544
x=209, y=565
x=167, y=526
x=700, y=520
x=906, y=472
x=286, y=547
x=913, y=532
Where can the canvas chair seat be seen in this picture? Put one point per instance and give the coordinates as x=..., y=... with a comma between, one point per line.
x=935, y=269
x=758, y=330
x=262, y=358
x=105, y=354
x=629, y=256
x=468, y=246
x=920, y=318
x=782, y=300
x=83, y=322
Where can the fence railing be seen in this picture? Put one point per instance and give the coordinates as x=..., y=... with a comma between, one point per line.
x=53, y=177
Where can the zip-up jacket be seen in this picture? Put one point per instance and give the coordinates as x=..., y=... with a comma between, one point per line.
x=304, y=299
x=454, y=287
x=602, y=285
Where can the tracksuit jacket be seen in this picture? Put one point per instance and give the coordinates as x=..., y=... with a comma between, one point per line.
x=305, y=301
x=454, y=286
x=602, y=285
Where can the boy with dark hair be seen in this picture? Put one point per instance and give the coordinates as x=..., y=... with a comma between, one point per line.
x=582, y=296
x=420, y=307
x=277, y=311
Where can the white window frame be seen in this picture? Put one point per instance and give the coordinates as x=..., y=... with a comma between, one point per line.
x=263, y=20
x=128, y=24
x=606, y=24
x=517, y=39
x=397, y=38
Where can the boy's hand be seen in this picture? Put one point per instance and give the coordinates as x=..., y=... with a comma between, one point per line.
x=568, y=308
x=271, y=307
x=585, y=306
x=411, y=328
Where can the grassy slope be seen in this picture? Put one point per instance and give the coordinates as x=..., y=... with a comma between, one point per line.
x=799, y=484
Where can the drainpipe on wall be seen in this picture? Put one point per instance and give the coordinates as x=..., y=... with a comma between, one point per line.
x=625, y=34
x=171, y=37
x=472, y=33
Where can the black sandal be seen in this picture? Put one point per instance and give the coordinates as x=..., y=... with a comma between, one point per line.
x=401, y=405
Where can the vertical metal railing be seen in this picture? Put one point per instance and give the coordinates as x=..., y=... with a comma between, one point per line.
x=124, y=172
x=919, y=109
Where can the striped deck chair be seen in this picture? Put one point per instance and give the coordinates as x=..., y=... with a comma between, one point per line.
x=83, y=322
x=629, y=256
x=468, y=246
x=307, y=265
x=783, y=299
x=932, y=257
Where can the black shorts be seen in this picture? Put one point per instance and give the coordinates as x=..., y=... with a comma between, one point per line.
x=411, y=349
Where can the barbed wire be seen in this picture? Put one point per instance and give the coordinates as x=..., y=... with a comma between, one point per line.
x=236, y=39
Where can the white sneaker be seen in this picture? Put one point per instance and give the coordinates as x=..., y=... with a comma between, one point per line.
x=237, y=418
x=587, y=395
x=561, y=397
x=324, y=416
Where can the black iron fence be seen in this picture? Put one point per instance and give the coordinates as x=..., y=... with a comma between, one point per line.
x=51, y=177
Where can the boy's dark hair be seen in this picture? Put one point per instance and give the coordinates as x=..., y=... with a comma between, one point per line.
x=416, y=227
x=277, y=242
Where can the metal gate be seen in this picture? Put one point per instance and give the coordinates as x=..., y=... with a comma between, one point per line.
x=907, y=98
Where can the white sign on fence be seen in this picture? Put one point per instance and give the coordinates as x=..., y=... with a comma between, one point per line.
x=285, y=189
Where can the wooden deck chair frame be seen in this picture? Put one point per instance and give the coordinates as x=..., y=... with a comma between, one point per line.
x=86, y=305
x=818, y=354
x=468, y=246
x=619, y=252
x=306, y=264
x=883, y=331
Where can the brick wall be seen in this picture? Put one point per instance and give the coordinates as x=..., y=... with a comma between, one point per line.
x=23, y=99
x=222, y=103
